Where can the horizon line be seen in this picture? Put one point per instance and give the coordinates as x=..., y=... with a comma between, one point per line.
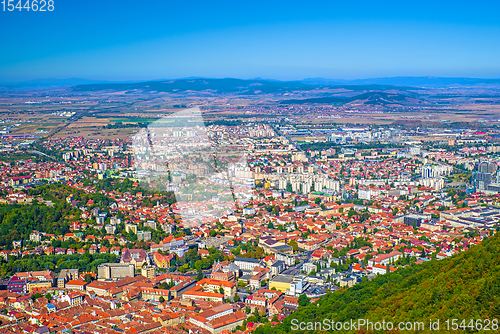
x=254, y=78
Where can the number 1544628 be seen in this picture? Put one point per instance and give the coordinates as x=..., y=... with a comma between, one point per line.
x=27, y=5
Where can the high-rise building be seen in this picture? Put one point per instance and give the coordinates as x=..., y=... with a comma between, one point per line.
x=483, y=174
x=415, y=150
x=109, y=271
x=427, y=172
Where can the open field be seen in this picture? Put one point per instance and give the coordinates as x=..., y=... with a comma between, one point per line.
x=41, y=113
x=93, y=133
x=85, y=122
x=344, y=120
x=133, y=120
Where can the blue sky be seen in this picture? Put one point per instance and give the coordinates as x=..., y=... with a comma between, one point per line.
x=287, y=40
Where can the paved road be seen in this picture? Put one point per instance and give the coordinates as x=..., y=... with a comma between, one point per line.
x=41, y=153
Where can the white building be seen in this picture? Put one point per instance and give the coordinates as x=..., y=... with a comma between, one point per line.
x=246, y=263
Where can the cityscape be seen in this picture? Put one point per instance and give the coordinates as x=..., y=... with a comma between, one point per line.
x=107, y=232
x=308, y=168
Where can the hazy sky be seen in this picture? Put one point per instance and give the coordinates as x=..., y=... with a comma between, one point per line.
x=159, y=39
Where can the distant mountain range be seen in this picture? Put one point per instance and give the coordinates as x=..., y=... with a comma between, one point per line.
x=434, y=82
x=226, y=85
x=265, y=85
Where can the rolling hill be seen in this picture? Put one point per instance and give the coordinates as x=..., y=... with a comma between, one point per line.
x=369, y=98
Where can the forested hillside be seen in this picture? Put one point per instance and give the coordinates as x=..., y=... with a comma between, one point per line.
x=17, y=221
x=463, y=287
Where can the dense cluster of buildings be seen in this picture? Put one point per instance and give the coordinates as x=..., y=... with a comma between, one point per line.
x=314, y=221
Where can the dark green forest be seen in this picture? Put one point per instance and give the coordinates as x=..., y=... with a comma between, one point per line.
x=18, y=221
x=465, y=286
